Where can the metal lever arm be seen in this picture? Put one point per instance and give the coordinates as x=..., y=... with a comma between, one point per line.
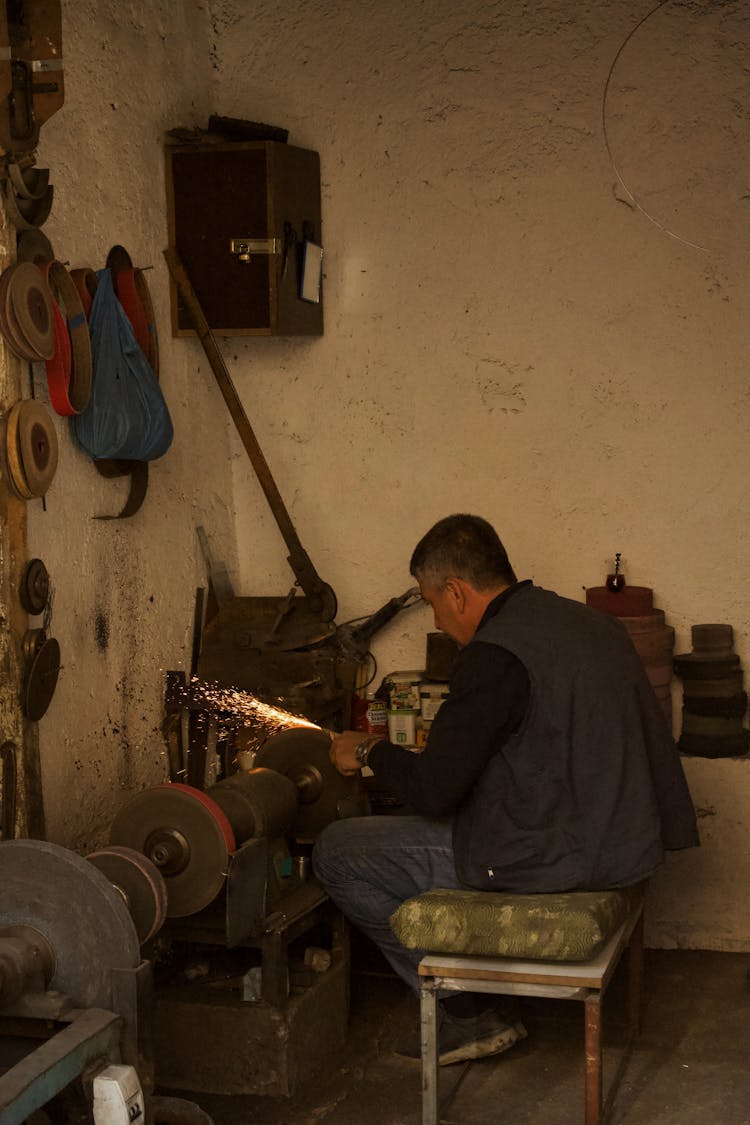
x=320, y=594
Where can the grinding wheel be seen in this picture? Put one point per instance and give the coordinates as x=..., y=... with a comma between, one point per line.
x=31, y=304
x=694, y=666
x=30, y=448
x=28, y=213
x=730, y=706
x=86, y=282
x=33, y=639
x=37, y=446
x=706, y=746
x=15, y=474
x=712, y=638
x=133, y=294
x=118, y=259
x=34, y=587
x=33, y=246
x=144, y=294
x=75, y=330
x=723, y=688
x=41, y=680
x=9, y=325
x=185, y=835
x=141, y=885
x=29, y=183
x=301, y=753
x=76, y=909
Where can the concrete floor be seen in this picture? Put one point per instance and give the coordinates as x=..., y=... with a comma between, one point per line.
x=689, y=1067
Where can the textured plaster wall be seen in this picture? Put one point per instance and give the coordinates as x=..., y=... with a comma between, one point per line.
x=124, y=590
x=528, y=315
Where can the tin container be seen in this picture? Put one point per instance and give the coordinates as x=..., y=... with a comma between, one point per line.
x=376, y=717
x=402, y=726
x=369, y=714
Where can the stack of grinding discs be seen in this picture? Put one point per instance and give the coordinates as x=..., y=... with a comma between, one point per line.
x=26, y=312
x=30, y=449
x=714, y=703
x=652, y=637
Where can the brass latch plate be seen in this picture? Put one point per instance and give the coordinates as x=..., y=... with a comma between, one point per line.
x=244, y=248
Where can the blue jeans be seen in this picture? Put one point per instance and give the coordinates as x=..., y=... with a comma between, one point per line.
x=369, y=865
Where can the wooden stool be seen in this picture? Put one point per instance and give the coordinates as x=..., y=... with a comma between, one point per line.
x=558, y=927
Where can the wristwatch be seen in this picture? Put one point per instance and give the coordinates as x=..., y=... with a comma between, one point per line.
x=362, y=751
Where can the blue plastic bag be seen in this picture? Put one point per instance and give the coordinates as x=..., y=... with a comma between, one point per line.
x=127, y=417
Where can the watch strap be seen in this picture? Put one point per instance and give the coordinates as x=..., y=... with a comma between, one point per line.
x=362, y=750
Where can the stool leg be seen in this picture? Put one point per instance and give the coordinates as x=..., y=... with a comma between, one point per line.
x=635, y=977
x=593, y=1094
x=428, y=1015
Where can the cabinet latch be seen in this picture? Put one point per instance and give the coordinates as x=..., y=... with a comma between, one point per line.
x=244, y=248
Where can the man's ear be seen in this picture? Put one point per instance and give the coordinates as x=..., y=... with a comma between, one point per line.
x=457, y=593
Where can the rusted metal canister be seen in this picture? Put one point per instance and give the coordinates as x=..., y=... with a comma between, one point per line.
x=654, y=642
x=652, y=637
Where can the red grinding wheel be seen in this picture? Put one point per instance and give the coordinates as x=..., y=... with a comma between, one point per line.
x=185, y=835
x=85, y=281
x=133, y=294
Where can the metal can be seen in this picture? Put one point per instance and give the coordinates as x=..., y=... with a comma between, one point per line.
x=402, y=727
x=376, y=716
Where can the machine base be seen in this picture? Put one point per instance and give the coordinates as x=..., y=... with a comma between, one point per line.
x=214, y=1042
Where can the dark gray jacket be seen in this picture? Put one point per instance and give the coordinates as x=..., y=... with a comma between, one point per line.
x=590, y=790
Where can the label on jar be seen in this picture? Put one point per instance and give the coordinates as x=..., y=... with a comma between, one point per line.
x=403, y=690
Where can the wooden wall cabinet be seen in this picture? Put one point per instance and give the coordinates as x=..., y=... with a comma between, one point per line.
x=227, y=192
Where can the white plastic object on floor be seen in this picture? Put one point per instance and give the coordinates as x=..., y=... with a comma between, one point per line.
x=118, y=1097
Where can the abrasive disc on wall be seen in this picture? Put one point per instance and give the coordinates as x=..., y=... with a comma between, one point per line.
x=33, y=246
x=41, y=680
x=26, y=312
x=30, y=448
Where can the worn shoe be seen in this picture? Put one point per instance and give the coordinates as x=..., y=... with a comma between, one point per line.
x=463, y=1039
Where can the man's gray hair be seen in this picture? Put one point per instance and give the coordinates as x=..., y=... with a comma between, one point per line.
x=462, y=546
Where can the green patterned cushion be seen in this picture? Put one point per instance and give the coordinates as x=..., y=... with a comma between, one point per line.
x=550, y=927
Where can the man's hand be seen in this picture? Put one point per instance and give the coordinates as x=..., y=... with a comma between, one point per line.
x=342, y=750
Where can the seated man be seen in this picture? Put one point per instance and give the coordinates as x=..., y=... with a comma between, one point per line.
x=549, y=767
